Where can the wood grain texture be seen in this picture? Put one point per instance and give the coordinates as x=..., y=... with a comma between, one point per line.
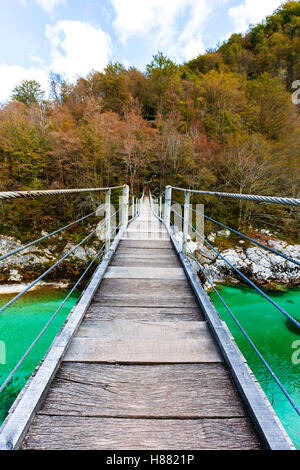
x=145, y=301
x=146, y=244
x=167, y=253
x=74, y=433
x=144, y=273
x=145, y=262
x=165, y=391
x=144, y=288
x=96, y=312
x=143, y=351
x=138, y=329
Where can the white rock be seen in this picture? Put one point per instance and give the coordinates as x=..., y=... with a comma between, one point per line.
x=265, y=232
x=14, y=275
x=277, y=244
x=224, y=233
x=263, y=265
x=211, y=237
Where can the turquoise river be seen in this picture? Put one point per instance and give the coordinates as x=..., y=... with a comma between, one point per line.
x=276, y=338
x=19, y=326
x=273, y=334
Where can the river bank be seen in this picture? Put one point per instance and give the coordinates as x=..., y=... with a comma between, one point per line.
x=261, y=266
x=22, y=268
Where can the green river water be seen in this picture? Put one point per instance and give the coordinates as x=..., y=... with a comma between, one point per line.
x=19, y=326
x=268, y=328
x=276, y=338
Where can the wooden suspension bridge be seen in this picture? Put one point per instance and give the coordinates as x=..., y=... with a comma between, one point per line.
x=143, y=362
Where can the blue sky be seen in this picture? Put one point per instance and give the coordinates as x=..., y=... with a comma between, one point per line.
x=73, y=37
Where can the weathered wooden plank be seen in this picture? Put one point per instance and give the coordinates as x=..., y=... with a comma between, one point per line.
x=70, y=432
x=165, y=253
x=135, y=253
x=144, y=287
x=144, y=273
x=145, y=301
x=97, y=312
x=143, y=351
x=164, y=391
x=146, y=244
x=138, y=329
x=146, y=262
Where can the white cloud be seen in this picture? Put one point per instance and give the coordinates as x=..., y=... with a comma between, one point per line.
x=251, y=12
x=50, y=5
x=160, y=23
x=77, y=48
x=13, y=75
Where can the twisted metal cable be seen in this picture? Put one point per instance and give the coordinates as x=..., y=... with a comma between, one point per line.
x=284, y=312
x=15, y=369
x=33, y=283
x=50, y=192
x=282, y=388
x=236, y=232
x=267, y=199
x=18, y=250
x=9, y=377
x=12, y=373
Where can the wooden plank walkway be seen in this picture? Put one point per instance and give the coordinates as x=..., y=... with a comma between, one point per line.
x=143, y=371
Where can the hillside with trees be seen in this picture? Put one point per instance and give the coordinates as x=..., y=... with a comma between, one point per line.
x=224, y=121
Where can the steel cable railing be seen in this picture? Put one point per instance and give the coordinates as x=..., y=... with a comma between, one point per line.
x=18, y=250
x=15, y=369
x=50, y=192
x=33, y=283
x=269, y=369
x=249, y=197
x=278, y=382
x=50, y=321
x=260, y=291
x=24, y=194
x=236, y=232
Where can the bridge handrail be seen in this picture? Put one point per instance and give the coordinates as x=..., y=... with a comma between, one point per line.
x=282, y=388
x=28, y=245
x=135, y=212
x=278, y=382
x=236, y=232
x=35, y=242
x=51, y=192
x=250, y=197
x=265, y=247
x=15, y=369
x=241, y=274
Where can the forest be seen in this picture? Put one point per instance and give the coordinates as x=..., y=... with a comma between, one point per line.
x=224, y=121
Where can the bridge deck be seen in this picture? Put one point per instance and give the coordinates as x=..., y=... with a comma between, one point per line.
x=143, y=371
